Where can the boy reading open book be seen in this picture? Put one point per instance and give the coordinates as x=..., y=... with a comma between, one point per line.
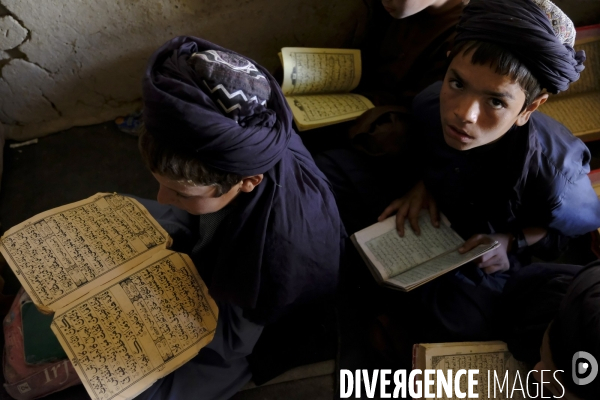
x=239, y=193
x=497, y=168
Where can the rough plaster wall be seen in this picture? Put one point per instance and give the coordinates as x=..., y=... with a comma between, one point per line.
x=79, y=62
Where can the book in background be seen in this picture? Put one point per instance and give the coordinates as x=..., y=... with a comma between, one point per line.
x=487, y=357
x=40, y=344
x=405, y=263
x=23, y=380
x=316, y=85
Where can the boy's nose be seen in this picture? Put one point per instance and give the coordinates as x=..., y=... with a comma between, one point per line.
x=467, y=111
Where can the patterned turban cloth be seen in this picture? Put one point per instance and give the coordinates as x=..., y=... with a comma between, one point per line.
x=537, y=32
x=232, y=82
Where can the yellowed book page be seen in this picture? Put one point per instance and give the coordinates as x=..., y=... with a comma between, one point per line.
x=487, y=357
x=126, y=334
x=391, y=254
x=312, y=71
x=61, y=254
x=454, y=348
x=320, y=110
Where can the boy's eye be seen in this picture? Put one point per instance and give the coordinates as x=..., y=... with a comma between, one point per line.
x=496, y=103
x=456, y=84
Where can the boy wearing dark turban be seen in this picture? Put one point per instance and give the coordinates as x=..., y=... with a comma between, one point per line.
x=241, y=195
x=497, y=168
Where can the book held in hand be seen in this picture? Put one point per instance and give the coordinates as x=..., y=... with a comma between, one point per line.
x=316, y=85
x=127, y=311
x=405, y=263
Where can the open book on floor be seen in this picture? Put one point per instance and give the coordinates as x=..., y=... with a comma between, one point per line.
x=492, y=359
x=127, y=311
x=316, y=85
x=407, y=262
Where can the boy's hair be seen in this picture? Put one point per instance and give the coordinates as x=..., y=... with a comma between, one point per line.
x=181, y=164
x=504, y=63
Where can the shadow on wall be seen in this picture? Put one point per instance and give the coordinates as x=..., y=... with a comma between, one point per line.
x=81, y=61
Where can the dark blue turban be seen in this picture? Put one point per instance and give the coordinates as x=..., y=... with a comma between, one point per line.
x=178, y=107
x=523, y=28
x=283, y=242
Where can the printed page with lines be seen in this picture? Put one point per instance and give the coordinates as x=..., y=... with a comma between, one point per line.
x=317, y=83
x=123, y=336
x=487, y=357
x=319, y=71
x=406, y=262
x=61, y=254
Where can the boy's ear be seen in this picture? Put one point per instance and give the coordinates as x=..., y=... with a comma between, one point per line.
x=250, y=182
x=526, y=113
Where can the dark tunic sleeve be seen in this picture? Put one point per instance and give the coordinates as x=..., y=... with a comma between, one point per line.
x=560, y=180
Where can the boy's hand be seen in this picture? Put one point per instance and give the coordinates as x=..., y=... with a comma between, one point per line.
x=492, y=261
x=410, y=205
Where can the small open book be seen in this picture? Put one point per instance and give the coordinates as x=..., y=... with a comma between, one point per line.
x=127, y=311
x=316, y=85
x=407, y=262
x=492, y=359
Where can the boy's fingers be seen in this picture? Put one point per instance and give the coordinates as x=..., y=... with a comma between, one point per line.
x=433, y=213
x=493, y=268
x=471, y=243
x=400, y=217
x=487, y=256
x=400, y=223
x=389, y=210
x=413, y=218
x=414, y=224
x=489, y=262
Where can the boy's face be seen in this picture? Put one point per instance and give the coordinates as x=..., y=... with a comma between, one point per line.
x=199, y=199
x=478, y=106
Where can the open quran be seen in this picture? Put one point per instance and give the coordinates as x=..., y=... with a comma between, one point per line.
x=316, y=85
x=500, y=375
x=405, y=263
x=127, y=311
